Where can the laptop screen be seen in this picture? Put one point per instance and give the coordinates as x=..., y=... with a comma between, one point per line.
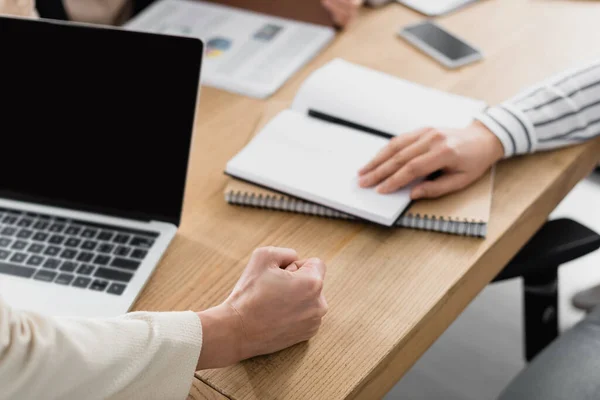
x=96, y=119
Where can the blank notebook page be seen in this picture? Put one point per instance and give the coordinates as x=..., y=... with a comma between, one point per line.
x=318, y=162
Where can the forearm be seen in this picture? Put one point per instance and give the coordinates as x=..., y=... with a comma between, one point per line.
x=141, y=355
x=562, y=111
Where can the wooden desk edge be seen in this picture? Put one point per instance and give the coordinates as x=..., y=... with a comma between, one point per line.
x=202, y=391
x=379, y=381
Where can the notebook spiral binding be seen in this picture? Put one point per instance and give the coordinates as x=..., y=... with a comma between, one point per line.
x=413, y=221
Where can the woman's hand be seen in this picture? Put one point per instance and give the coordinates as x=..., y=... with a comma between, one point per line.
x=343, y=11
x=463, y=155
x=277, y=303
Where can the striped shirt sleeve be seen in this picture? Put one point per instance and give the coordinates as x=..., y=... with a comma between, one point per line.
x=562, y=111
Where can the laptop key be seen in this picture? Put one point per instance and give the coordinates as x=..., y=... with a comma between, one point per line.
x=68, y=254
x=85, y=256
x=86, y=269
x=24, y=234
x=45, y=275
x=113, y=274
x=142, y=242
x=56, y=239
x=40, y=225
x=139, y=254
x=9, y=220
x=56, y=228
x=40, y=237
x=35, y=261
x=81, y=282
x=68, y=266
x=105, y=248
x=125, y=263
x=4, y=254
x=18, y=257
x=89, y=233
x=51, y=263
x=35, y=248
x=121, y=238
x=99, y=285
x=122, y=251
x=101, y=260
x=72, y=230
x=52, y=250
x=64, y=279
x=72, y=242
x=4, y=242
x=89, y=245
x=19, y=245
x=116, y=289
x=25, y=223
x=16, y=270
x=105, y=235
x=8, y=231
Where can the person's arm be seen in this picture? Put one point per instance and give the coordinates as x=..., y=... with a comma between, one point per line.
x=20, y=8
x=108, y=12
x=343, y=12
x=562, y=111
x=277, y=303
x=141, y=355
x=565, y=110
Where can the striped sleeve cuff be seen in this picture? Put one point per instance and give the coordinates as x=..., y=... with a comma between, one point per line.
x=511, y=127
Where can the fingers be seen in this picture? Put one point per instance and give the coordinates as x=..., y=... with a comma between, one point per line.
x=315, y=266
x=273, y=257
x=441, y=186
x=419, y=167
x=396, y=144
x=394, y=163
x=293, y=267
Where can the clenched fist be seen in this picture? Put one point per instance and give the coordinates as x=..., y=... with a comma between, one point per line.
x=278, y=302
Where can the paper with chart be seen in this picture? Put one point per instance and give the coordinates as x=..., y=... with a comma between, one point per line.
x=245, y=52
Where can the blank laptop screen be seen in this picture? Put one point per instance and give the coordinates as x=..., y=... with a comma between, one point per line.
x=96, y=119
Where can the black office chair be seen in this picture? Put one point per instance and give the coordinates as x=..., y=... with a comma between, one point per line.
x=556, y=243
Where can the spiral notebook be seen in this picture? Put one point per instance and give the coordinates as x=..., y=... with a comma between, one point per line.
x=301, y=163
x=464, y=213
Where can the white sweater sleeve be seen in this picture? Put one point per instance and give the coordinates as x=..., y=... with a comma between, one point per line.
x=562, y=111
x=137, y=356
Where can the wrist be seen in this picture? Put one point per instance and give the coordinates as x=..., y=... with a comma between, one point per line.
x=492, y=144
x=222, y=336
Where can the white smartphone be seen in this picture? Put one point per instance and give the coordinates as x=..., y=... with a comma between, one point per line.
x=438, y=43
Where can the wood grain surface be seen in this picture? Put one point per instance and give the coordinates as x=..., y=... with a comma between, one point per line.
x=391, y=292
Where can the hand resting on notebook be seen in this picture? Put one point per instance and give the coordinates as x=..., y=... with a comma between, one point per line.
x=463, y=155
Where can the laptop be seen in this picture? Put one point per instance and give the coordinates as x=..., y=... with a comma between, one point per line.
x=95, y=134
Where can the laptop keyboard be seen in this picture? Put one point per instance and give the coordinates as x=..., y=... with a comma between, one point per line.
x=70, y=252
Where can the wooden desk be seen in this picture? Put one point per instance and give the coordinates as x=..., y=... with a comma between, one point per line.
x=391, y=292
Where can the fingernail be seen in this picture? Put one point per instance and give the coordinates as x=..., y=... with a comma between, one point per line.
x=381, y=189
x=364, y=181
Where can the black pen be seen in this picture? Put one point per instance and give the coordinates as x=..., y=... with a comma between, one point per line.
x=349, y=124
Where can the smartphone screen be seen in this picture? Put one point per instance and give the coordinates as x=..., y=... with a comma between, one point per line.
x=440, y=40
